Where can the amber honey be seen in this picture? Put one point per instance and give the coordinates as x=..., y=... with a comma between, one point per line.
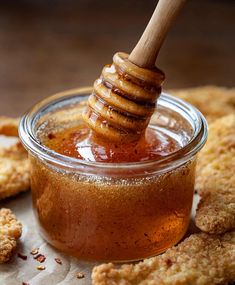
x=111, y=219
x=80, y=142
x=99, y=200
x=117, y=218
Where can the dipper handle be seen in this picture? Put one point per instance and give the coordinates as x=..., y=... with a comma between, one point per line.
x=146, y=51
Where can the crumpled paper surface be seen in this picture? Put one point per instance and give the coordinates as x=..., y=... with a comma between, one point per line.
x=17, y=270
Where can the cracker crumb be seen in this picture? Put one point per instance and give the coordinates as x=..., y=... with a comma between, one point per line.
x=34, y=251
x=80, y=275
x=10, y=232
x=41, y=267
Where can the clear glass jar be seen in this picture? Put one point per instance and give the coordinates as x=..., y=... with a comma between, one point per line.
x=112, y=211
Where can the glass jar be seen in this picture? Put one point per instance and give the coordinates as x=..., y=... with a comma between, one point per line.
x=112, y=211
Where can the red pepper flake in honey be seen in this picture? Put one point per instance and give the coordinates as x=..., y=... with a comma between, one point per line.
x=58, y=260
x=80, y=275
x=34, y=251
x=51, y=136
x=24, y=257
x=41, y=267
x=40, y=257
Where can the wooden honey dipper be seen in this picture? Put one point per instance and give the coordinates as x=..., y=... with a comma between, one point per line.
x=124, y=96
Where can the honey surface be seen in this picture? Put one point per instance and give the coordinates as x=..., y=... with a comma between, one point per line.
x=79, y=142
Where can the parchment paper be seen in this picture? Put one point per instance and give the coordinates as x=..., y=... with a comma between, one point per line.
x=17, y=270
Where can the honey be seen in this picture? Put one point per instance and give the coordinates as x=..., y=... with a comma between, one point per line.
x=97, y=218
x=112, y=201
x=79, y=142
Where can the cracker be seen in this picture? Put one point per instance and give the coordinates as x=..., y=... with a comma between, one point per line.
x=216, y=161
x=200, y=259
x=14, y=164
x=214, y=102
x=215, y=180
x=14, y=171
x=10, y=232
x=216, y=212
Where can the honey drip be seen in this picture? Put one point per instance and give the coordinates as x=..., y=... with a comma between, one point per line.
x=123, y=100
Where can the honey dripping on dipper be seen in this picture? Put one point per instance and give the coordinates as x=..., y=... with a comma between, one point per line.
x=125, y=95
x=122, y=102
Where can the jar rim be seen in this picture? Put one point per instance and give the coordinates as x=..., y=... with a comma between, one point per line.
x=179, y=157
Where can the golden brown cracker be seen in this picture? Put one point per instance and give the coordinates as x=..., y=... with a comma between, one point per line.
x=214, y=102
x=10, y=232
x=216, y=161
x=200, y=259
x=215, y=179
x=14, y=164
x=14, y=171
x=216, y=212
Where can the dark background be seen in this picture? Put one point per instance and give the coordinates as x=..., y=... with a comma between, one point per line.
x=49, y=46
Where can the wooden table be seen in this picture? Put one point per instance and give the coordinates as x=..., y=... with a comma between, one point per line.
x=49, y=46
